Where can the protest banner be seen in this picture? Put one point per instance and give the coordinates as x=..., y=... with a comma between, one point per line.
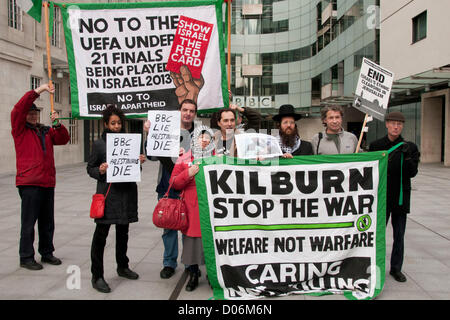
x=164, y=134
x=310, y=225
x=118, y=53
x=257, y=145
x=373, y=89
x=122, y=157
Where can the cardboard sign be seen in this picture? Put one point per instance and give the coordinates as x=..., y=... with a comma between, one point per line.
x=122, y=156
x=373, y=89
x=164, y=135
x=190, y=45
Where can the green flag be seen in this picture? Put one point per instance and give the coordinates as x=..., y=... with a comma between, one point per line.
x=32, y=7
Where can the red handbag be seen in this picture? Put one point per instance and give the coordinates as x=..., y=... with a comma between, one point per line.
x=98, y=205
x=171, y=213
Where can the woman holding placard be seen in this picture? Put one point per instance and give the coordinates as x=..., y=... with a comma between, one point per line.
x=183, y=179
x=120, y=205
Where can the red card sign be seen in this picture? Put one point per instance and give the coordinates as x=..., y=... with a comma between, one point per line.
x=189, y=46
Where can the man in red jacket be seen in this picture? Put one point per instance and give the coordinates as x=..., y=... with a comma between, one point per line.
x=35, y=176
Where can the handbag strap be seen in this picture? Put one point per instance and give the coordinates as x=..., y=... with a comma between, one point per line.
x=168, y=190
x=107, y=191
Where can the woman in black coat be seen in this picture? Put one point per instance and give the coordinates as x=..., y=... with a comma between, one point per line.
x=120, y=205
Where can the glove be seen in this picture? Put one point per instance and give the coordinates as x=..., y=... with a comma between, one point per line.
x=406, y=150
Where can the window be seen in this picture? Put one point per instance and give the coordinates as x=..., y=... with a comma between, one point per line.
x=73, y=130
x=35, y=82
x=57, y=94
x=14, y=15
x=419, y=24
x=56, y=36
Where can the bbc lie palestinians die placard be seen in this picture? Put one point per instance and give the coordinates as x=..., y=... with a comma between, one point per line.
x=145, y=56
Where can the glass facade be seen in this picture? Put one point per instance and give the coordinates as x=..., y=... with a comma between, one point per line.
x=309, y=51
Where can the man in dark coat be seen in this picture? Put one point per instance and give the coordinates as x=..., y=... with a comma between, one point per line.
x=289, y=138
x=403, y=165
x=35, y=177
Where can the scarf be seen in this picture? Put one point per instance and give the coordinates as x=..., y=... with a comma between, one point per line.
x=40, y=131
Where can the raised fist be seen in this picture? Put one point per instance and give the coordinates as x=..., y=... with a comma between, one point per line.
x=186, y=86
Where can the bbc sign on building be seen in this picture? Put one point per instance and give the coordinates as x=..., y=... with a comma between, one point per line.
x=253, y=101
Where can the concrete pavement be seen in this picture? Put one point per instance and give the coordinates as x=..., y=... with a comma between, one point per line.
x=426, y=265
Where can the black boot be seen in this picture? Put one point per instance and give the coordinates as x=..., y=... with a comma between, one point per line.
x=193, y=281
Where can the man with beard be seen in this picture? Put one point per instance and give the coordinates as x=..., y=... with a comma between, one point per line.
x=289, y=138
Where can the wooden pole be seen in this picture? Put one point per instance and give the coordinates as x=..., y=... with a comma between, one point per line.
x=229, y=49
x=362, y=133
x=49, y=59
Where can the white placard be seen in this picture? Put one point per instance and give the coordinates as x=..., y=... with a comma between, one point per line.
x=122, y=156
x=163, y=138
x=254, y=145
x=373, y=89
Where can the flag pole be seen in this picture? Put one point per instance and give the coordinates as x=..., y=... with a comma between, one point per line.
x=229, y=48
x=362, y=133
x=46, y=5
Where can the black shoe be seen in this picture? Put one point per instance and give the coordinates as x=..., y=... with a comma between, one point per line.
x=100, y=285
x=193, y=281
x=31, y=265
x=51, y=259
x=167, y=272
x=127, y=273
x=398, y=276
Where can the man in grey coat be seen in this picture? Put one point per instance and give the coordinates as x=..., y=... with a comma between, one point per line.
x=334, y=140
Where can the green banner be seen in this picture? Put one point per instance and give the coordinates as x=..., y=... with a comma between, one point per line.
x=145, y=56
x=308, y=225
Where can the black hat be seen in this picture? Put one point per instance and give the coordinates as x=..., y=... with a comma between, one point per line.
x=33, y=107
x=286, y=110
x=395, y=116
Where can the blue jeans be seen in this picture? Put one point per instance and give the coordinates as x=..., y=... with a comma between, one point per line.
x=170, y=240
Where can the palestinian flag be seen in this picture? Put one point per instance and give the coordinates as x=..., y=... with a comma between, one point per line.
x=32, y=7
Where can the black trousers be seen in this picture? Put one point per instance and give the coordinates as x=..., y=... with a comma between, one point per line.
x=398, y=220
x=37, y=205
x=98, y=247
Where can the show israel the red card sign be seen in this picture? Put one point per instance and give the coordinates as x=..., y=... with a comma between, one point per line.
x=190, y=46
